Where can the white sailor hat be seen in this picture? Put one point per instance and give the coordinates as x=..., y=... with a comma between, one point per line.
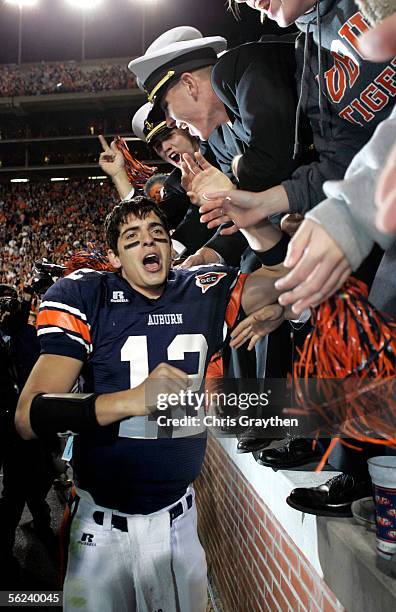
x=149, y=122
x=174, y=52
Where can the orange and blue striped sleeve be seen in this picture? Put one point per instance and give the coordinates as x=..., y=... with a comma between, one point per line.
x=63, y=329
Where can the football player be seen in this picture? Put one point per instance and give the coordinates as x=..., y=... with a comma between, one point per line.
x=147, y=328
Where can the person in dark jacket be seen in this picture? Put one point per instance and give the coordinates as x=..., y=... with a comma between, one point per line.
x=249, y=93
x=254, y=148
x=19, y=350
x=243, y=104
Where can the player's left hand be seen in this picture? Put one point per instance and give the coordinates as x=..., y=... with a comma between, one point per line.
x=203, y=177
x=257, y=325
x=319, y=268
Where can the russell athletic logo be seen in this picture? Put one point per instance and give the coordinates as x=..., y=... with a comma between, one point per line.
x=87, y=539
x=208, y=280
x=118, y=298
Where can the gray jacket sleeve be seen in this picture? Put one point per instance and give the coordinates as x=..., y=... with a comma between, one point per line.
x=348, y=213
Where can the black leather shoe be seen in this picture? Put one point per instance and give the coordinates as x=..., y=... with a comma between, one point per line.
x=293, y=453
x=333, y=498
x=249, y=441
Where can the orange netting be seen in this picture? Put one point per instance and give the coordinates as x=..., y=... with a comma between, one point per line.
x=137, y=172
x=91, y=258
x=356, y=343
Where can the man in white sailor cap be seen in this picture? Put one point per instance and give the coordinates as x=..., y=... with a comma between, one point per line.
x=242, y=103
x=149, y=124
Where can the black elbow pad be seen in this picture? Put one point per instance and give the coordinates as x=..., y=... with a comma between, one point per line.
x=52, y=413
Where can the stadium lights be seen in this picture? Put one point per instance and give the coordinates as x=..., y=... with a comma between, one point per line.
x=144, y=4
x=58, y=178
x=22, y=3
x=85, y=4
x=19, y=180
x=97, y=178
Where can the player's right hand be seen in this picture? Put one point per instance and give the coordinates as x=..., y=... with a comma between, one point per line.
x=164, y=379
x=111, y=160
x=202, y=257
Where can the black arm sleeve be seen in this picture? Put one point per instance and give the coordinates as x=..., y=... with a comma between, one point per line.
x=276, y=254
x=53, y=413
x=256, y=83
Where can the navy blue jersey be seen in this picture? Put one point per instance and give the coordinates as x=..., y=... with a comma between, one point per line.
x=121, y=336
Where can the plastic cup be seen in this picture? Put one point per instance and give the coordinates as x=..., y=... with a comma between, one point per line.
x=383, y=475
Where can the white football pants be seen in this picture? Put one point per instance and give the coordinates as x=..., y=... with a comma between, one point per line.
x=155, y=566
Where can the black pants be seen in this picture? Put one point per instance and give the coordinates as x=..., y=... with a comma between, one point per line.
x=27, y=477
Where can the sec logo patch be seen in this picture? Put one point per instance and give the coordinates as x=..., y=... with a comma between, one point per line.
x=208, y=280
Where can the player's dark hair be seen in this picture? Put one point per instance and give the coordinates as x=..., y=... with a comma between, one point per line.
x=140, y=207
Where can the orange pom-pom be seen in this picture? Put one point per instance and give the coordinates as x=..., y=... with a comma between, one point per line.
x=349, y=362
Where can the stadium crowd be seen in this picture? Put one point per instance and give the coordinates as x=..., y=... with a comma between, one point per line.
x=65, y=77
x=49, y=220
